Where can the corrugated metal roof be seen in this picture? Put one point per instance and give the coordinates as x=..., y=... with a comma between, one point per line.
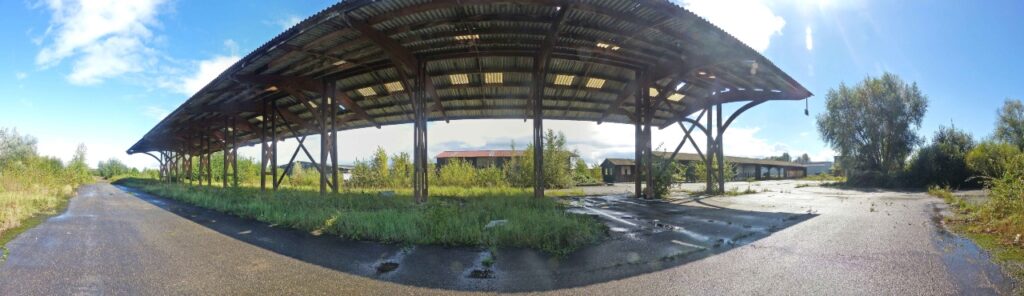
x=613, y=40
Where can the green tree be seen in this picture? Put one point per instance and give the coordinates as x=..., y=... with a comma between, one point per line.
x=15, y=147
x=401, y=170
x=943, y=161
x=112, y=167
x=77, y=167
x=581, y=173
x=362, y=175
x=700, y=173
x=990, y=159
x=803, y=159
x=873, y=125
x=1010, y=123
x=784, y=157
x=379, y=166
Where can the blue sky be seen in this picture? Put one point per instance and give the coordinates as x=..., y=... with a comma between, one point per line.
x=104, y=72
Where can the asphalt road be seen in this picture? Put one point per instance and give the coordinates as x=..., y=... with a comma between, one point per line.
x=113, y=243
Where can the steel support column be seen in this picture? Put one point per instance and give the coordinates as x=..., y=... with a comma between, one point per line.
x=720, y=148
x=325, y=138
x=638, y=137
x=234, y=153
x=711, y=151
x=419, y=99
x=648, y=116
x=330, y=89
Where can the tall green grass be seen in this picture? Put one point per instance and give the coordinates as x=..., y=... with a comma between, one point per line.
x=34, y=186
x=452, y=216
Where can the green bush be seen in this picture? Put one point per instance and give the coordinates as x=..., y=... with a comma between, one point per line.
x=30, y=184
x=699, y=173
x=942, y=162
x=1007, y=193
x=457, y=173
x=989, y=159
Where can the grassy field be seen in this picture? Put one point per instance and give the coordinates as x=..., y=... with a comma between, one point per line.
x=452, y=216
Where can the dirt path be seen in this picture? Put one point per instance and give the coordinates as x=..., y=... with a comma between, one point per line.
x=111, y=242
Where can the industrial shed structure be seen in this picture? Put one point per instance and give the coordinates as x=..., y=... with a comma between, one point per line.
x=614, y=170
x=369, y=63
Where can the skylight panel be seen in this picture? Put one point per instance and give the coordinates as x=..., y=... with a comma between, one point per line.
x=595, y=83
x=469, y=37
x=367, y=92
x=394, y=86
x=561, y=79
x=459, y=79
x=494, y=78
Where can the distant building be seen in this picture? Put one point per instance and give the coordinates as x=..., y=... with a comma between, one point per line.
x=486, y=158
x=346, y=170
x=479, y=158
x=615, y=170
x=819, y=167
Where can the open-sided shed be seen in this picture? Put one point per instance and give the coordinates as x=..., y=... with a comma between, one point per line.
x=369, y=63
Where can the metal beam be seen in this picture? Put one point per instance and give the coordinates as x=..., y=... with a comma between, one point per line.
x=543, y=58
x=400, y=56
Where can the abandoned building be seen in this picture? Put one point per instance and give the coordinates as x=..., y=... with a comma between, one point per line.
x=615, y=170
x=479, y=158
x=818, y=167
x=368, y=64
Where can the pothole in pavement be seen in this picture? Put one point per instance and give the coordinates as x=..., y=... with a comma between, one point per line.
x=385, y=267
x=481, y=274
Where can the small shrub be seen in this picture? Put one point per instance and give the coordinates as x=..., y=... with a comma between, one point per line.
x=989, y=159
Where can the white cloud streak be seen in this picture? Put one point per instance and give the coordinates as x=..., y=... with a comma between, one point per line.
x=206, y=71
x=808, y=38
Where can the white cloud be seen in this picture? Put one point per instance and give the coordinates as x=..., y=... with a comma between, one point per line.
x=206, y=71
x=106, y=38
x=287, y=22
x=750, y=21
x=21, y=75
x=156, y=113
x=809, y=38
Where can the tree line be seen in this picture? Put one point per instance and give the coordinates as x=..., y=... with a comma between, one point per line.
x=873, y=126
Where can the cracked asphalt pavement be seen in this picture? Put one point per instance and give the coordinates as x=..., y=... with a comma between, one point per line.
x=110, y=242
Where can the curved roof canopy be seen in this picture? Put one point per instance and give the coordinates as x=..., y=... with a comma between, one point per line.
x=480, y=58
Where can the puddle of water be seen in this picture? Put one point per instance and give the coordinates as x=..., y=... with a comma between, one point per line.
x=971, y=268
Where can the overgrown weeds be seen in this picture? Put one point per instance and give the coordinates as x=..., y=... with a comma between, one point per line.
x=996, y=224
x=33, y=185
x=451, y=217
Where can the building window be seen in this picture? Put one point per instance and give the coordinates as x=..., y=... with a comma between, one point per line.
x=626, y=171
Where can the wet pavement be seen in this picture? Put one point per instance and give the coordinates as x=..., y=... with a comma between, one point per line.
x=790, y=241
